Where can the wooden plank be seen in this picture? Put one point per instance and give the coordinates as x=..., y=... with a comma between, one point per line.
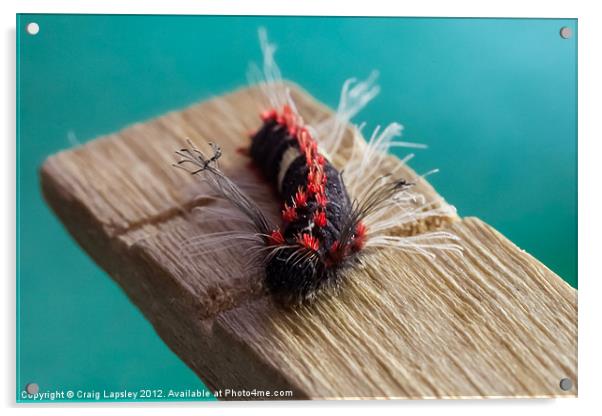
x=493, y=322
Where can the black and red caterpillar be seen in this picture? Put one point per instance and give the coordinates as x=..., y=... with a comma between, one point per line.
x=326, y=223
x=316, y=213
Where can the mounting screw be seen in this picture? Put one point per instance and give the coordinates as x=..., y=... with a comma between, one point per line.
x=565, y=32
x=32, y=28
x=566, y=384
x=32, y=388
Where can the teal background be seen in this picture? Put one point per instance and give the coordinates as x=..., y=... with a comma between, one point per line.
x=495, y=100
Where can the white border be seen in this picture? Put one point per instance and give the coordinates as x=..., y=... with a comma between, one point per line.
x=590, y=177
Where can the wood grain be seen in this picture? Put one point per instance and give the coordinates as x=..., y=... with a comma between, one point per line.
x=493, y=322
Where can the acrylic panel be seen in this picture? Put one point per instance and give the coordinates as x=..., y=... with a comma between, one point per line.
x=493, y=100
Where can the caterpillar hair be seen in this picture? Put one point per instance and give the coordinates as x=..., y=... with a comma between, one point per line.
x=330, y=218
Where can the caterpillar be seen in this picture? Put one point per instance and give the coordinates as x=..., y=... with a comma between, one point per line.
x=330, y=218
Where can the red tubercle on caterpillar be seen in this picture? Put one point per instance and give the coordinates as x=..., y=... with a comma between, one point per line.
x=336, y=253
x=303, y=138
x=320, y=218
x=308, y=156
x=334, y=247
x=315, y=189
x=321, y=200
x=268, y=115
x=316, y=173
x=359, y=241
x=320, y=160
x=311, y=174
x=308, y=241
x=360, y=229
x=289, y=116
x=300, y=198
x=286, y=117
x=276, y=238
x=316, y=180
x=289, y=213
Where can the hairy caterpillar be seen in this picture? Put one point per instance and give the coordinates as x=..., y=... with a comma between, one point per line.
x=326, y=224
